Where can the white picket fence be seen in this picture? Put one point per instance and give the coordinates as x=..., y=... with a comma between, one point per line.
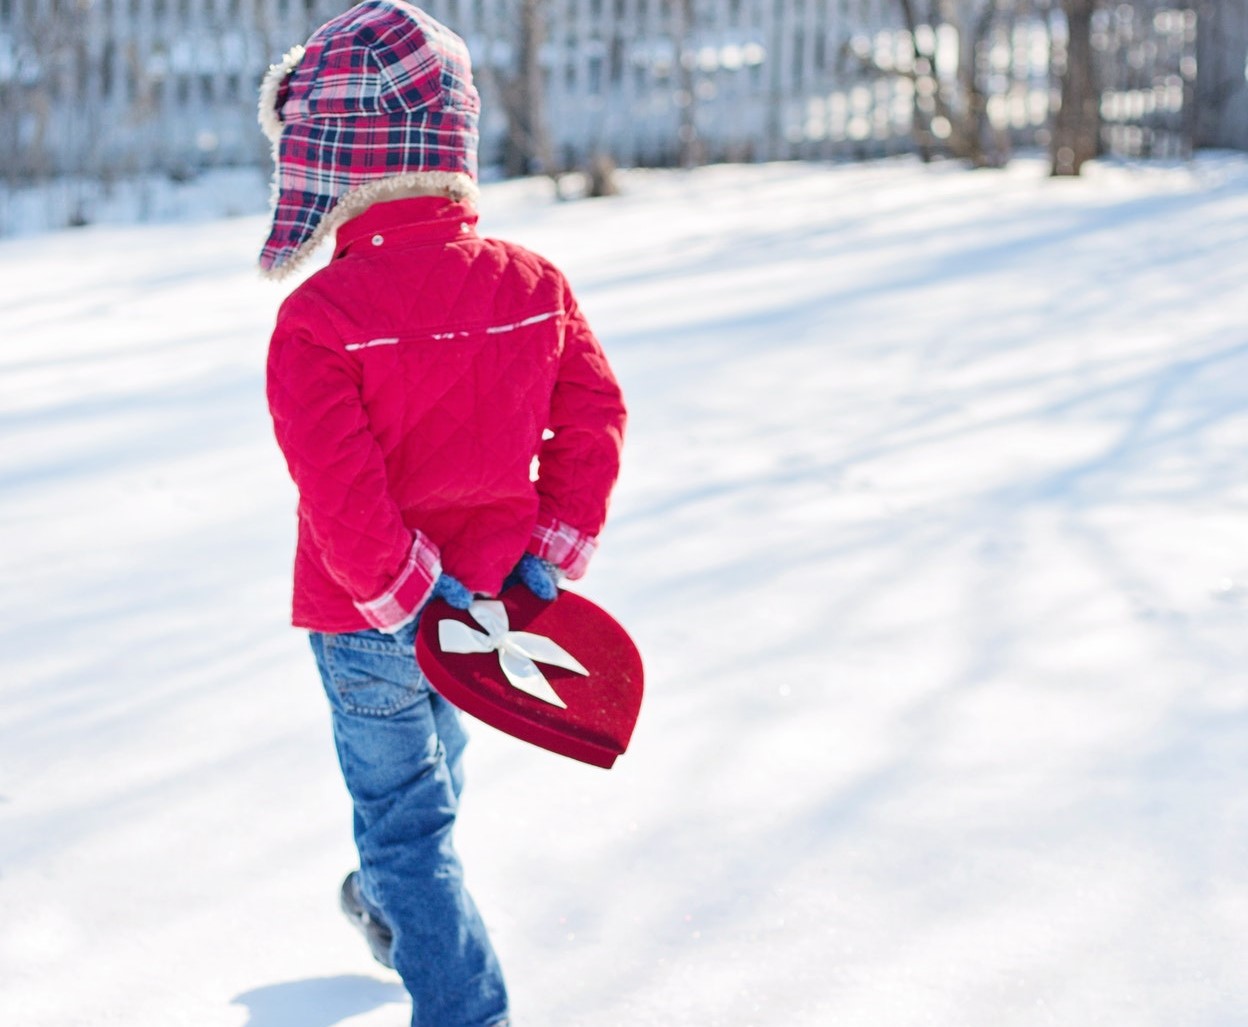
x=111, y=88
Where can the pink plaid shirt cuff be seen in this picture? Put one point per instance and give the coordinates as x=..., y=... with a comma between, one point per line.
x=399, y=604
x=564, y=546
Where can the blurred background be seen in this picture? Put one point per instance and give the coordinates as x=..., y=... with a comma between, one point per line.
x=98, y=96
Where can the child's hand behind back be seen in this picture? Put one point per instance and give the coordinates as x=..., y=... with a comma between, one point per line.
x=451, y=592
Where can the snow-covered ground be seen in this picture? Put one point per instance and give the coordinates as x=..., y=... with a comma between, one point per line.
x=933, y=531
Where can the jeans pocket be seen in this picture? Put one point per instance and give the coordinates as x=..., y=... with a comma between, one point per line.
x=372, y=675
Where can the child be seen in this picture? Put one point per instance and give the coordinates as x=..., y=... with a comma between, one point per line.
x=412, y=383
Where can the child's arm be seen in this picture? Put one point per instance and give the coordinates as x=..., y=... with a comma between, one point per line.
x=388, y=569
x=578, y=465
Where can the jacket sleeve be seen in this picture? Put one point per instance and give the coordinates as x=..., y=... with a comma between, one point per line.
x=579, y=460
x=344, y=497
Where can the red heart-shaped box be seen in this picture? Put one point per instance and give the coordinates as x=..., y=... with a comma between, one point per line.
x=602, y=707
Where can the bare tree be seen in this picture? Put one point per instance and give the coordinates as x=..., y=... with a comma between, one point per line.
x=1221, y=79
x=527, y=148
x=691, y=153
x=952, y=110
x=1077, y=121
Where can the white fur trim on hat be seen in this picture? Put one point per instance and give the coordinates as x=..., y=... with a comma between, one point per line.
x=455, y=185
x=267, y=113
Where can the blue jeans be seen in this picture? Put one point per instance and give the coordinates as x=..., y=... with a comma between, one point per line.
x=400, y=746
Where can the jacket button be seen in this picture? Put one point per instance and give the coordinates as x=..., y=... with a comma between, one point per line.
x=463, y=226
x=378, y=240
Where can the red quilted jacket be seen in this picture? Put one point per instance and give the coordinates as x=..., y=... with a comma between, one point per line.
x=441, y=404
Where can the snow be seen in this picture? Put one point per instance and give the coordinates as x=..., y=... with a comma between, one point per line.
x=933, y=531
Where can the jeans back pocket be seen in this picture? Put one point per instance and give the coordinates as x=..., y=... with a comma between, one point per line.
x=371, y=674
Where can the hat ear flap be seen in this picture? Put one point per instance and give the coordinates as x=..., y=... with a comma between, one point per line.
x=271, y=94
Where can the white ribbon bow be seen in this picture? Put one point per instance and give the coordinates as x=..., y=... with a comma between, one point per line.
x=517, y=650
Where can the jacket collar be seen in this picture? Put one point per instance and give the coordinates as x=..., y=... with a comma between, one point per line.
x=409, y=222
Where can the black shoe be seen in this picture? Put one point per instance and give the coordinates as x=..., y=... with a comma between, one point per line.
x=375, y=931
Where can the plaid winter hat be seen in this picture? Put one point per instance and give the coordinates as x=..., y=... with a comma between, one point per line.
x=380, y=99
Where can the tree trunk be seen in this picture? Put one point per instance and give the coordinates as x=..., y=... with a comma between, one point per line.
x=690, y=145
x=967, y=139
x=1077, y=123
x=1221, y=82
x=526, y=149
x=926, y=85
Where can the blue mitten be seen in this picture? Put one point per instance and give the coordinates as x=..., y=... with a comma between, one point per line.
x=537, y=575
x=450, y=591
